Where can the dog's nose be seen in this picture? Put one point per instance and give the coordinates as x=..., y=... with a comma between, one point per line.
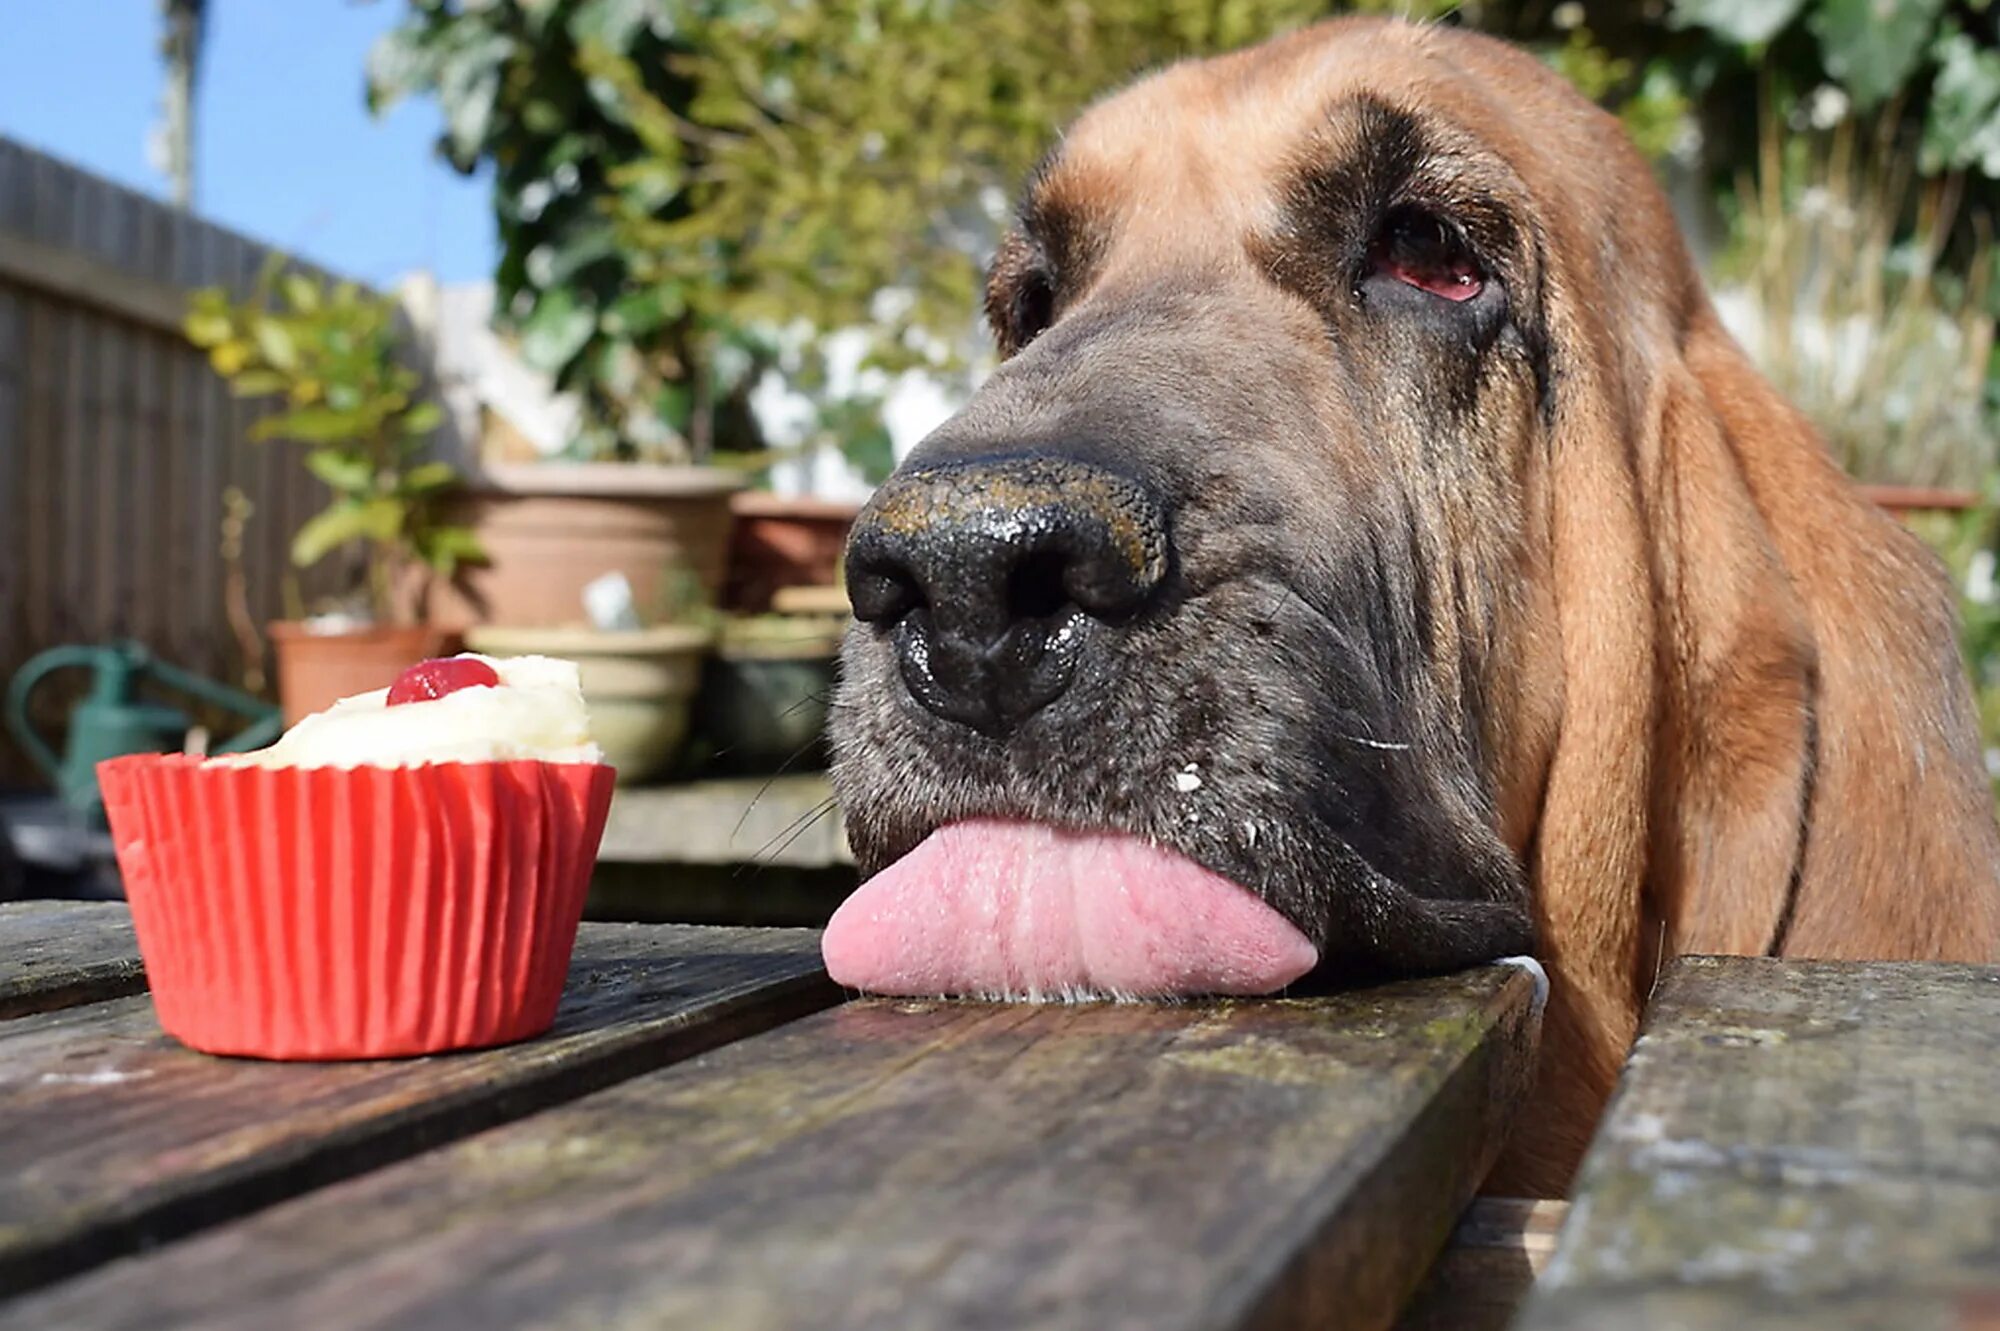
x=992, y=577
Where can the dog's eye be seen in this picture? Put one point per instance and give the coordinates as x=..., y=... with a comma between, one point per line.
x=1420, y=250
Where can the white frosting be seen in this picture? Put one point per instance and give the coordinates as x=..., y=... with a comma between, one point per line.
x=536, y=712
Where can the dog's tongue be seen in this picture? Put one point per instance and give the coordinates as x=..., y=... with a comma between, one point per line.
x=1019, y=910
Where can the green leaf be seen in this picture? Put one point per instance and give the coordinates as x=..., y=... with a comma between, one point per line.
x=205, y=328
x=1872, y=47
x=538, y=13
x=327, y=531
x=636, y=314
x=421, y=419
x=556, y=331
x=275, y=342
x=468, y=88
x=674, y=404
x=1748, y=23
x=401, y=63
x=313, y=425
x=1963, y=126
x=870, y=451
x=230, y=357
x=611, y=24
x=429, y=476
x=302, y=293
x=344, y=472
x=258, y=383
x=445, y=548
x=557, y=264
x=382, y=519
x=267, y=271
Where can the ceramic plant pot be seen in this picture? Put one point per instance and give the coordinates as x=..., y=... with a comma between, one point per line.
x=317, y=669
x=638, y=685
x=550, y=529
x=778, y=542
x=764, y=699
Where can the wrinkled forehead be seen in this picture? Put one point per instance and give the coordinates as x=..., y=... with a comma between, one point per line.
x=1201, y=155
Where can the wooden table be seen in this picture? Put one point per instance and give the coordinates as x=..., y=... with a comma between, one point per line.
x=1795, y=1146
x=711, y=1138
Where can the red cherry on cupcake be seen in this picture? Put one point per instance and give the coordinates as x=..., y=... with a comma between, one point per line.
x=441, y=675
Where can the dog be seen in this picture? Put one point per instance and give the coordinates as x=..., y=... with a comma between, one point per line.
x=1372, y=557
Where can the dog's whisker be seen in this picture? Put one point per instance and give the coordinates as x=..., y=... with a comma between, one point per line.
x=1393, y=746
x=770, y=780
x=772, y=849
x=782, y=832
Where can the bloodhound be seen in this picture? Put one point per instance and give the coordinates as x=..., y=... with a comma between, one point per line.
x=1374, y=557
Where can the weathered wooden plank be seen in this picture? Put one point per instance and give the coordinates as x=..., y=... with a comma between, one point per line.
x=85, y=279
x=1795, y=1144
x=13, y=452
x=1284, y=1163
x=1482, y=1277
x=58, y=954
x=112, y=1136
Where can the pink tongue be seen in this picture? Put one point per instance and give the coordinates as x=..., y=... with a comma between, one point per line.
x=1025, y=911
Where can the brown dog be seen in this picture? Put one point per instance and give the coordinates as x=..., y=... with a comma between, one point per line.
x=1373, y=515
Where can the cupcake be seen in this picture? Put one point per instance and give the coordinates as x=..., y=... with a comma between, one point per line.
x=400, y=874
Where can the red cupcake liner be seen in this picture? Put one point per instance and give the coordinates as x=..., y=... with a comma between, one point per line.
x=371, y=912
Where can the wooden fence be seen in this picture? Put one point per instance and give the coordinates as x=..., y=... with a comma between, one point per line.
x=117, y=442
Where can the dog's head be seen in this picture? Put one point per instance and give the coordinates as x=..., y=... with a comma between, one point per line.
x=1219, y=636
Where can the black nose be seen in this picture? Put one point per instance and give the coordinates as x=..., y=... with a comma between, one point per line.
x=994, y=577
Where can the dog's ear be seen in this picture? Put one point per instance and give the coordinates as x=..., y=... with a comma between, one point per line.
x=1018, y=301
x=1589, y=848
x=1766, y=741
x=1899, y=855
x=1733, y=753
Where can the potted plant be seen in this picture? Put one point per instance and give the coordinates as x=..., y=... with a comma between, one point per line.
x=549, y=529
x=639, y=679
x=329, y=353
x=786, y=541
x=639, y=684
x=782, y=541
x=768, y=690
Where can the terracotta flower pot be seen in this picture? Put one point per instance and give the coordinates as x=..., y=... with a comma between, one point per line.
x=550, y=529
x=638, y=685
x=780, y=542
x=317, y=669
x=1906, y=500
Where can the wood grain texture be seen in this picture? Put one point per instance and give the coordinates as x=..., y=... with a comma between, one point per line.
x=113, y=1136
x=57, y=954
x=895, y=1164
x=1795, y=1144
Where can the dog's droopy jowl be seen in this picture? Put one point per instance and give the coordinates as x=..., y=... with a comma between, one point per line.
x=1373, y=558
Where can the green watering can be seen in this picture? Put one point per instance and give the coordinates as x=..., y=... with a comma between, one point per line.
x=112, y=722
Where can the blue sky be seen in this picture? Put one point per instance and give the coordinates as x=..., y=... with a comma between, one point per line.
x=286, y=150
